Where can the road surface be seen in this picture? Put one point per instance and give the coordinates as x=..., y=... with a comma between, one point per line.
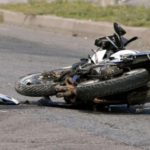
x=30, y=127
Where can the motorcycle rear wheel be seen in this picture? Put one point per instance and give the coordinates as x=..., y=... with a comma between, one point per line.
x=128, y=81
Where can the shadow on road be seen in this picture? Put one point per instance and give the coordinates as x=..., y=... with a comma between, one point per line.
x=113, y=109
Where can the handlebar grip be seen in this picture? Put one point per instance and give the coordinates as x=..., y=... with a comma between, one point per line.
x=130, y=40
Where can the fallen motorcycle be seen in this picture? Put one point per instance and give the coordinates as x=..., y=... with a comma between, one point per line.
x=111, y=75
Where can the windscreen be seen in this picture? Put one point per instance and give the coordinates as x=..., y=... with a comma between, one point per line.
x=138, y=44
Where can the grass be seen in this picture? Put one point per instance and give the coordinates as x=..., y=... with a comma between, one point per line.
x=127, y=15
x=1, y=17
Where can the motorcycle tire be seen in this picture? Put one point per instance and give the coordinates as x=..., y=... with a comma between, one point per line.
x=33, y=85
x=30, y=85
x=128, y=81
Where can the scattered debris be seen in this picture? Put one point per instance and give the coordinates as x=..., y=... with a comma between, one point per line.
x=7, y=99
x=26, y=102
x=75, y=34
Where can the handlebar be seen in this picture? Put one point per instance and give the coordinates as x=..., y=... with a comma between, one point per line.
x=130, y=40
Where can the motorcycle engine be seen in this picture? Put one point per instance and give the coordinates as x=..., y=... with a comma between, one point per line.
x=106, y=72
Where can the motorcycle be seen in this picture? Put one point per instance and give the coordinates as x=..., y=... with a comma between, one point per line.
x=111, y=75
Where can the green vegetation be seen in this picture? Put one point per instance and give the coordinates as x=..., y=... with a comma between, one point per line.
x=1, y=17
x=127, y=15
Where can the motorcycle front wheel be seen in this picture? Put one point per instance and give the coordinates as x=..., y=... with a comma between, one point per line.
x=34, y=85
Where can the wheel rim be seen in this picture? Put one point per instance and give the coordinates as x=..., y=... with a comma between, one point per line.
x=33, y=79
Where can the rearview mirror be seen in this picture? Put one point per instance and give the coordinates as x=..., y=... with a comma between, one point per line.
x=119, y=30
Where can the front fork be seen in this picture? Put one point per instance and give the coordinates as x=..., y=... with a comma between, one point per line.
x=68, y=91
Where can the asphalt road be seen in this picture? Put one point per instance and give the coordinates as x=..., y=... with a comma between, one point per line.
x=30, y=127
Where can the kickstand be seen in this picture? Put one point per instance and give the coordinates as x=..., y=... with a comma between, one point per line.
x=47, y=101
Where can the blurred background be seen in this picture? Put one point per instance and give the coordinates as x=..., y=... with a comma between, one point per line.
x=99, y=2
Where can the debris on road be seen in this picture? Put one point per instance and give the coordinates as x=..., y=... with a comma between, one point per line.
x=8, y=100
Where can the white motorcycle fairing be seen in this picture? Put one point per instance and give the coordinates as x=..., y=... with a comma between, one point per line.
x=117, y=57
x=98, y=56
